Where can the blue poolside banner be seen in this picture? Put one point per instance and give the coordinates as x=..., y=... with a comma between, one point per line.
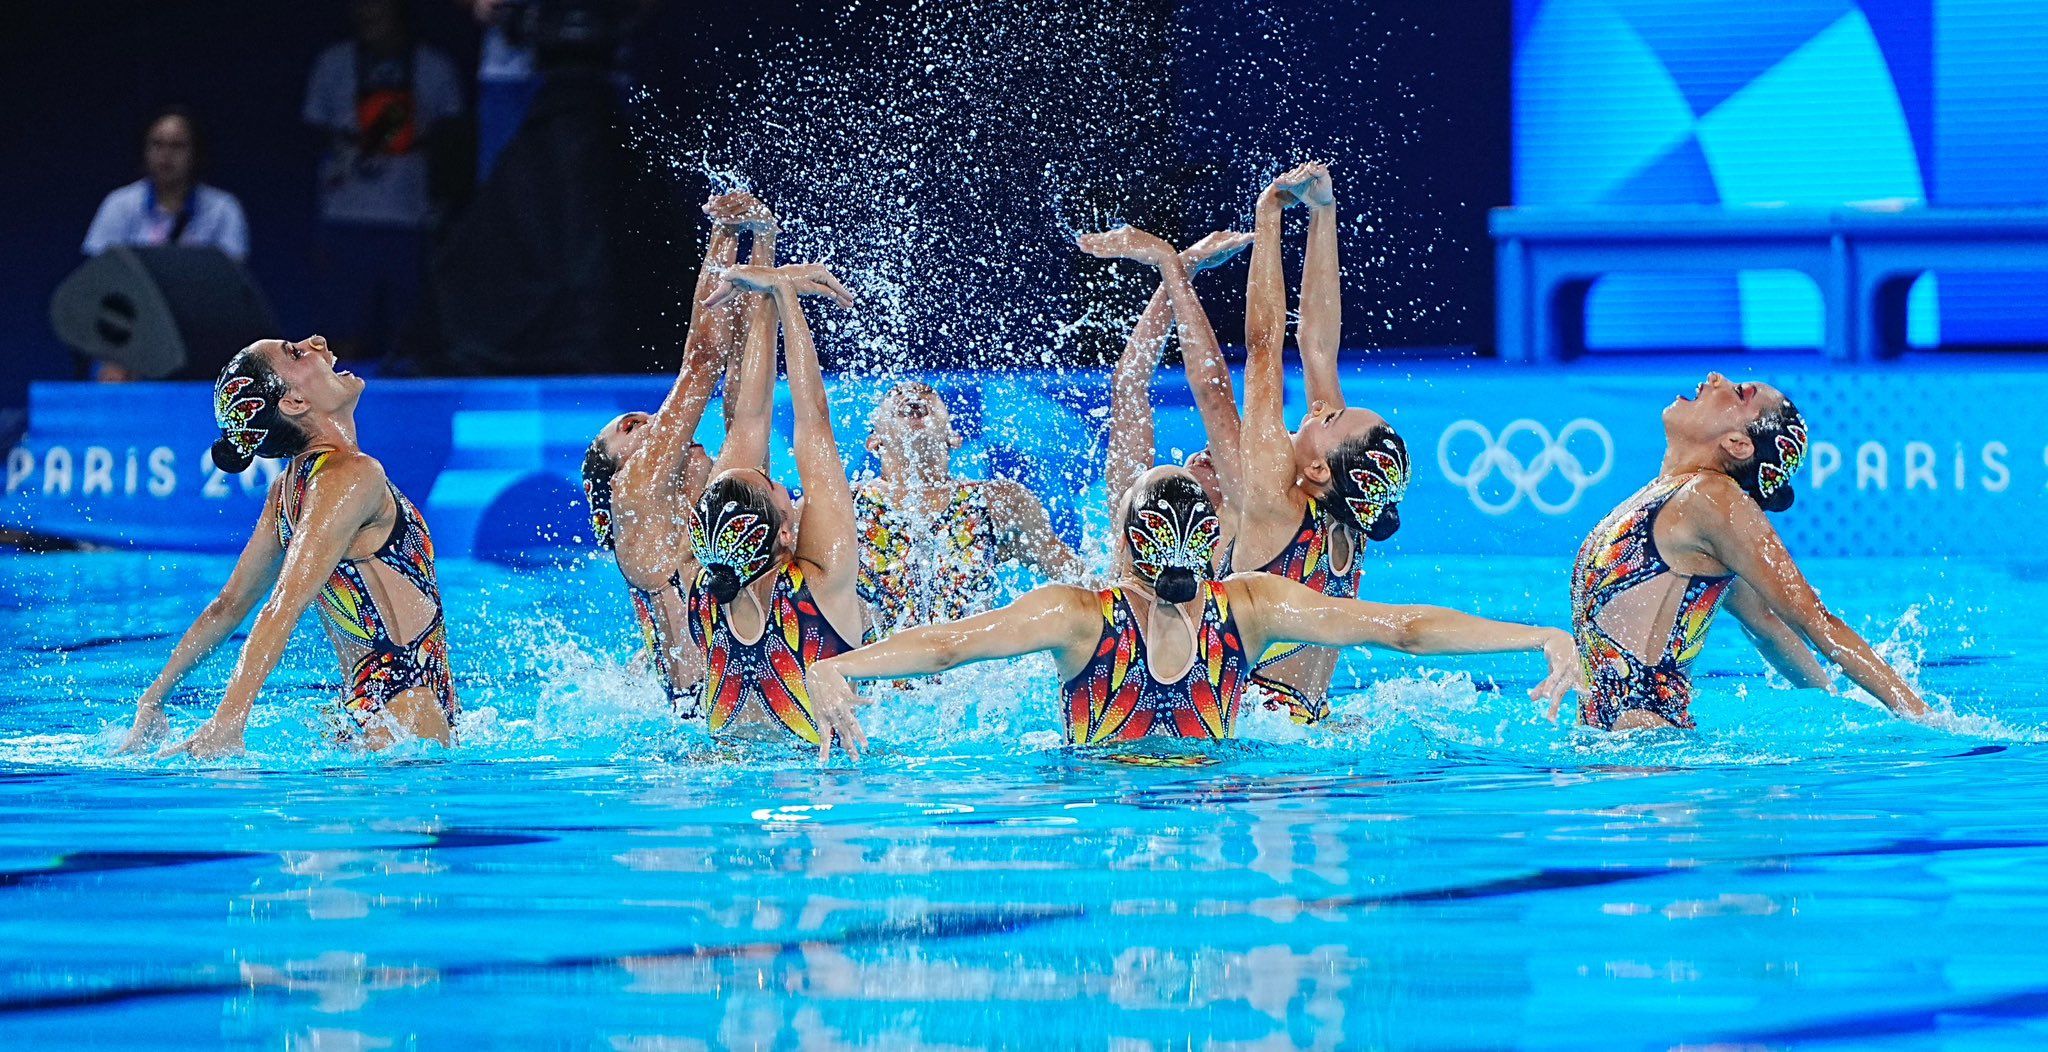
x=1907, y=460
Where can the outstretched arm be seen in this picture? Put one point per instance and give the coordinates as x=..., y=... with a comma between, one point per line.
x=1778, y=642
x=1132, y=445
x=254, y=574
x=1055, y=617
x=1287, y=612
x=1322, y=293
x=827, y=538
x=344, y=497
x=1737, y=533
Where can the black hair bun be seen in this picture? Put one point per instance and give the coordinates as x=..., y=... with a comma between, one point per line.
x=229, y=459
x=1384, y=525
x=723, y=582
x=1176, y=584
x=1779, y=500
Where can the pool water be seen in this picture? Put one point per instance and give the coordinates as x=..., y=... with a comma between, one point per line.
x=1444, y=869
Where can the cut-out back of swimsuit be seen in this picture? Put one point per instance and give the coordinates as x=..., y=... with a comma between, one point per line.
x=767, y=675
x=379, y=666
x=918, y=572
x=1115, y=697
x=1619, y=557
x=1308, y=560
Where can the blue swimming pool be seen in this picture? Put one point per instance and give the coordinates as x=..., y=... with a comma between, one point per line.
x=1446, y=869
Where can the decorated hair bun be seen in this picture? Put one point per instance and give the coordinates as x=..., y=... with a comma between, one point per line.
x=1176, y=585
x=1383, y=527
x=230, y=458
x=1779, y=500
x=723, y=582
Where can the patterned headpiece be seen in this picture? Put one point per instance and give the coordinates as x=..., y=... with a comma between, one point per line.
x=1787, y=451
x=234, y=413
x=1173, y=531
x=1369, y=484
x=734, y=537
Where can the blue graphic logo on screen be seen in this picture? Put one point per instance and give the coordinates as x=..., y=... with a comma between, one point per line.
x=1939, y=103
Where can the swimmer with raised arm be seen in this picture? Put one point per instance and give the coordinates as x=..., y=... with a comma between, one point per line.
x=333, y=530
x=1167, y=649
x=1173, y=307
x=767, y=599
x=1650, y=576
x=643, y=471
x=931, y=542
x=1303, y=504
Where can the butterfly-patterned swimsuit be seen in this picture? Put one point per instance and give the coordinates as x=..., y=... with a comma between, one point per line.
x=654, y=635
x=916, y=572
x=379, y=668
x=1307, y=560
x=767, y=674
x=1621, y=554
x=1116, y=698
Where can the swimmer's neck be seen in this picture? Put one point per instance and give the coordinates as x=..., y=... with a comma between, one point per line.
x=901, y=469
x=338, y=430
x=1689, y=458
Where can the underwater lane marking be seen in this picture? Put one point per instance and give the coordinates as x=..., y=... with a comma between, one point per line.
x=1953, y=1015
x=77, y=863
x=948, y=925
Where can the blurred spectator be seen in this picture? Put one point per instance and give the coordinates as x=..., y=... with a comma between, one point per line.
x=506, y=81
x=168, y=205
x=377, y=97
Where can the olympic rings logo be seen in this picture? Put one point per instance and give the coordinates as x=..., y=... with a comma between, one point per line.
x=1524, y=479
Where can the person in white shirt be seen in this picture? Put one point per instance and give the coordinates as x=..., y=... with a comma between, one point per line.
x=169, y=205
x=377, y=98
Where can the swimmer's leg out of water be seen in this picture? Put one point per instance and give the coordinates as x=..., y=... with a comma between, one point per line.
x=738, y=211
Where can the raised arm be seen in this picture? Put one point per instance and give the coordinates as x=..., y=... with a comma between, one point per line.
x=750, y=397
x=1026, y=533
x=342, y=498
x=1056, y=617
x=1268, y=449
x=1132, y=448
x=1286, y=612
x=254, y=574
x=1778, y=642
x=1735, y=531
x=1322, y=294
x=1132, y=445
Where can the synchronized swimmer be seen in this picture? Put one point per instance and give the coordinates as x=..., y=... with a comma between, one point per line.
x=1236, y=579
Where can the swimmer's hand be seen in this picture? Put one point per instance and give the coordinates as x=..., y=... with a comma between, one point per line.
x=1128, y=242
x=151, y=726
x=743, y=210
x=799, y=279
x=1307, y=184
x=832, y=701
x=217, y=737
x=1214, y=250
x=1562, y=654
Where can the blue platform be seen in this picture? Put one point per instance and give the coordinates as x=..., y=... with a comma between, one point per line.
x=1908, y=459
x=1861, y=260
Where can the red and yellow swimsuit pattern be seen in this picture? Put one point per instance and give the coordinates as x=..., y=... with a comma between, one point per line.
x=379, y=667
x=1116, y=698
x=1307, y=560
x=768, y=673
x=1620, y=554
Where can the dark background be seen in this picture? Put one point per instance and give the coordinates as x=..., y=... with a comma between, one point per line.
x=1411, y=106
